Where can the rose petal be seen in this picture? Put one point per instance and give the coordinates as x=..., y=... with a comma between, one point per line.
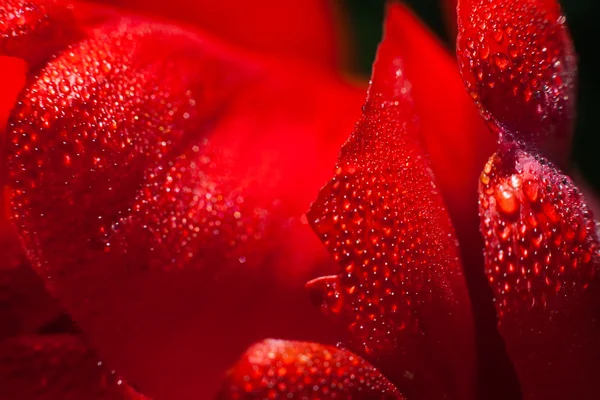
x=286, y=369
x=138, y=99
x=458, y=143
x=519, y=65
x=267, y=26
x=542, y=261
x=401, y=292
x=53, y=367
x=33, y=30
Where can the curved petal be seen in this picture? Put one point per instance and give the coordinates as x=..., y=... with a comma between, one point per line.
x=268, y=26
x=143, y=119
x=57, y=366
x=34, y=30
x=400, y=292
x=542, y=261
x=458, y=143
x=285, y=369
x=519, y=65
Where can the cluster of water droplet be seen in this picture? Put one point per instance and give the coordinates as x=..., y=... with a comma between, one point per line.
x=540, y=236
x=32, y=29
x=90, y=125
x=277, y=369
x=384, y=222
x=519, y=66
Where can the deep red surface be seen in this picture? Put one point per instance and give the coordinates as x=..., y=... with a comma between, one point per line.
x=400, y=292
x=542, y=261
x=33, y=30
x=159, y=181
x=519, y=65
x=307, y=30
x=57, y=367
x=275, y=369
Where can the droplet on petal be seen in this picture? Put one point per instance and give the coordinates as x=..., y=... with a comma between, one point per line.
x=33, y=30
x=384, y=222
x=524, y=84
x=279, y=369
x=542, y=262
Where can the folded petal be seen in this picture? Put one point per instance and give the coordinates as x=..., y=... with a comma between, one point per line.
x=124, y=155
x=542, y=261
x=519, y=65
x=285, y=369
x=400, y=292
x=57, y=367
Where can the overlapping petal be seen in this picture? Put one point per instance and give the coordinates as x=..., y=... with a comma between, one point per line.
x=519, y=65
x=541, y=241
x=542, y=260
x=400, y=292
x=158, y=180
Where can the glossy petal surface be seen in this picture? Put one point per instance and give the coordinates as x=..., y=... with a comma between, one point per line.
x=133, y=157
x=400, y=292
x=57, y=367
x=285, y=369
x=33, y=30
x=519, y=65
x=267, y=26
x=542, y=261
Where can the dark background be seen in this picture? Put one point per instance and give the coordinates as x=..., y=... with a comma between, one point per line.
x=583, y=17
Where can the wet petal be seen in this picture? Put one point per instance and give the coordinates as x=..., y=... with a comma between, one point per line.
x=57, y=367
x=286, y=369
x=32, y=30
x=519, y=65
x=142, y=120
x=542, y=261
x=455, y=137
x=400, y=292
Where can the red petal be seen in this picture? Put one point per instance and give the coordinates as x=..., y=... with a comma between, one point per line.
x=268, y=26
x=401, y=292
x=455, y=137
x=104, y=141
x=32, y=30
x=542, y=263
x=458, y=143
x=25, y=306
x=284, y=369
x=519, y=64
x=57, y=367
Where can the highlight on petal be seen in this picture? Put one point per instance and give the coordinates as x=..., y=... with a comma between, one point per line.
x=124, y=155
x=519, y=65
x=57, y=367
x=400, y=292
x=542, y=261
x=285, y=369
